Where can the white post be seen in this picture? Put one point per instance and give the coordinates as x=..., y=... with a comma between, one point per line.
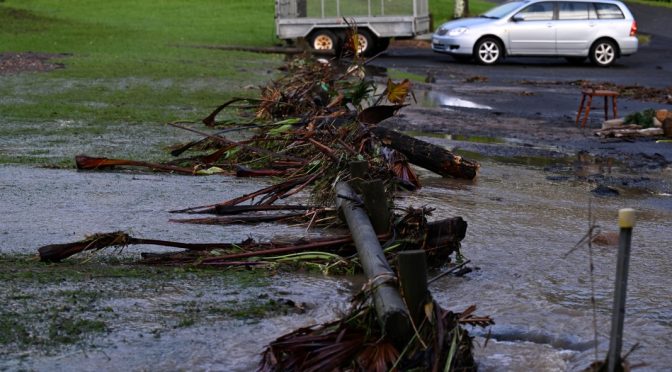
x=626, y=221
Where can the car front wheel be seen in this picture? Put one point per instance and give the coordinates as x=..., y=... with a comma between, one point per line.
x=603, y=53
x=488, y=51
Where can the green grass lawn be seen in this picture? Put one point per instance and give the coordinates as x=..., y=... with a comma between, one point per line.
x=442, y=10
x=131, y=63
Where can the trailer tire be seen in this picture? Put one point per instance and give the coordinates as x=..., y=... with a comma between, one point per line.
x=367, y=43
x=381, y=44
x=324, y=40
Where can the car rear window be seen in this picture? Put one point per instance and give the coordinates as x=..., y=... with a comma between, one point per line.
x=608, y=11
x=570, y=10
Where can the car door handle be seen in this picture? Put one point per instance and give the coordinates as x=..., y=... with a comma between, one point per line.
x=549, y=25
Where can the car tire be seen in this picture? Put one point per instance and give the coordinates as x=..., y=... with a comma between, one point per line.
x=324, y=40
x=575, y=60
x=488, y=51
x=603, y=53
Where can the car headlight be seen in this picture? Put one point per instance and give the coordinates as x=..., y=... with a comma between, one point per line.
x=457, y=31
x=441, y=31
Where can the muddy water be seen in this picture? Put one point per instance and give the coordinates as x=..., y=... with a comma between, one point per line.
x=520, y=226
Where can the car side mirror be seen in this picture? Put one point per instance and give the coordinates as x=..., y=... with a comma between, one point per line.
x=518, y=17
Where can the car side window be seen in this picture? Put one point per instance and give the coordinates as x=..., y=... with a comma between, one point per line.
x=538, y=12
x=572, y=11
x=608, y=11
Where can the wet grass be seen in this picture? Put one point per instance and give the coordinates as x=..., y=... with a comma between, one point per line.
x=131, y=62
x=45, y=307
x=530, y=161
x=397, y=75
x=659, y=3
x=126, y=62
x=442, y=10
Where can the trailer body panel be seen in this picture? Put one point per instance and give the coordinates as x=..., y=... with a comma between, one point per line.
x=384, y=18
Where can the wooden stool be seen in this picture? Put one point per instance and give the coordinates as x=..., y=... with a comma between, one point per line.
x=590, y=93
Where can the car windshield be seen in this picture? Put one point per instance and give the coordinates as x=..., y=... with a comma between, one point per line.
x=502, y=10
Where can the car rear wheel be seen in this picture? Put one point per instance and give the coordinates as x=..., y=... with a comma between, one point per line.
x=603, y=53
x=323, y=40
x=488, y=51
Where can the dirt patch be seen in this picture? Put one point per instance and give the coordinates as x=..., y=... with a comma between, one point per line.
x=410, y=43
x=14, y=63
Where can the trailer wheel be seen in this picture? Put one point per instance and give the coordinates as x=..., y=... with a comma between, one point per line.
x=381, y=45
x=324, y=40
x=366, y=43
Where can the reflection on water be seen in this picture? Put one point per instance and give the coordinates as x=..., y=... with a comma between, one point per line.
x=520, y=226
x=521, y=223
x=430, y=98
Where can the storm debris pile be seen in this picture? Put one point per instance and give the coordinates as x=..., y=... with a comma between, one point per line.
x=355, y=343
x=648, y=123
x=306, y=129
x=314, y=130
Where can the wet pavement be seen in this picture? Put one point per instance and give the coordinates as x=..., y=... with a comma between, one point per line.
x=525, y=210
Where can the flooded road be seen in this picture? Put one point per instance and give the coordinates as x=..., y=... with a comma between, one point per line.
x=521, y=224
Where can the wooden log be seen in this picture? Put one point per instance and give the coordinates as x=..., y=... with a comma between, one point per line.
x=390, y=308
x=358, y=171
x=375, y=201
x=413, y=278
x=267, y=50
x=446, y=231
x=443, y=238
x=427, y=155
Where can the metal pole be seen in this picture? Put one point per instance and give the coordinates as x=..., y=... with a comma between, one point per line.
x=626, y=221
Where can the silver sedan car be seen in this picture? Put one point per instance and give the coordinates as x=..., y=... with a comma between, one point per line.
x=601, y=30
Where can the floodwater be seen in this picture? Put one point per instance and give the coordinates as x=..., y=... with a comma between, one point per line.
x=521, y=224
x=431, y=98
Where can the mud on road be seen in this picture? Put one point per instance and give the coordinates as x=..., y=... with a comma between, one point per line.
x=526, y=108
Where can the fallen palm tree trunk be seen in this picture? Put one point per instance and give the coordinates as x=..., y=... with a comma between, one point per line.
x=58, y=252
x=427, y=155
x=90, y=163
x=247, y=172
x=241, y=219
x=268, y=50
x=239, y=209
x=227, y=142
x=268, y=195
x=391, y=310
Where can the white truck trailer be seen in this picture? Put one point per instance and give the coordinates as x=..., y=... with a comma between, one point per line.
x=323, y=22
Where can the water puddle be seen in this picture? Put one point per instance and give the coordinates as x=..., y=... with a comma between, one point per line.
x=520, y=226
x=456, y=137
x=432, y=98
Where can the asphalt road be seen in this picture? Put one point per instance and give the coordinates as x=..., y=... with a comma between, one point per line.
x=542, y=89
x=651, y=66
